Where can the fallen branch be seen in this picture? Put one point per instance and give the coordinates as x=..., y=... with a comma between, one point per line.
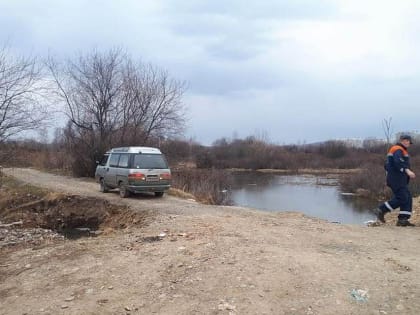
x=11, y=224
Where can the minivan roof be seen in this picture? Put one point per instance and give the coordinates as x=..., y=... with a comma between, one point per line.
x=148, y=150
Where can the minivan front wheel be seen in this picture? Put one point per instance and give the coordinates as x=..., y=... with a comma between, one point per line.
x=102, y=186
x=158, y=193
x=124, y=193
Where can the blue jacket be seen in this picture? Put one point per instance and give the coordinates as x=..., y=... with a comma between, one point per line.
x=397, y=162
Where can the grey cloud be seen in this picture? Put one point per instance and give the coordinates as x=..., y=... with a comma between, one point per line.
x=237, y=29
x=220, y=79
x=67, y=27
x=274, y=9
x=234, y=51
x=237, y=46
x=223, y=38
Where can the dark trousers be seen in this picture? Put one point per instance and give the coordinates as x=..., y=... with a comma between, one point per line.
x=401, y=199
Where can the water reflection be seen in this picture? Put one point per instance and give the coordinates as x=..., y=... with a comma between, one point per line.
x=313, y=195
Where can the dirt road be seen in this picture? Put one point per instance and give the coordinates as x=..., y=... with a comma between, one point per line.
x=213, y=260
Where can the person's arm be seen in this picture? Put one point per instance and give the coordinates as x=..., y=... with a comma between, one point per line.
x=410, y=173
x=401, y=164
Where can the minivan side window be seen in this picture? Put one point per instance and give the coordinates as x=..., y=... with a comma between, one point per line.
x=123, y=162
x=113, y=160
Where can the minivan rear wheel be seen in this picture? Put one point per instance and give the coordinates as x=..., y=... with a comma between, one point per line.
x=158, y=193
x=124, y=193
x=102, y=186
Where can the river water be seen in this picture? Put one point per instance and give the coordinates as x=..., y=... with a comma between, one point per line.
x=313, y=195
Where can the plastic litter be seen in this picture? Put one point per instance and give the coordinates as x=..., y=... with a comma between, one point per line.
x=370, y=222
x=359, y=295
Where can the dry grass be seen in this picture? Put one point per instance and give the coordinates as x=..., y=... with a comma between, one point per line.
x=180, y=194
x=208, y=186
x=14, y=186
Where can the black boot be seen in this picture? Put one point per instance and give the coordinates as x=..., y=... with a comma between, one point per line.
x=404, y=222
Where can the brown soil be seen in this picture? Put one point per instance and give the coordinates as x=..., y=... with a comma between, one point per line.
x=174, y=256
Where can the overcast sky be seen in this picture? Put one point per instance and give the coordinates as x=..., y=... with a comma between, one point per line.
x=293, y=71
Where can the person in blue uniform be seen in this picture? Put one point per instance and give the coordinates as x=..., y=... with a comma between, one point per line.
x=398, y=176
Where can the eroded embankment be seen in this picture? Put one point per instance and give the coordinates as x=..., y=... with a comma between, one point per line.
x=31, y=215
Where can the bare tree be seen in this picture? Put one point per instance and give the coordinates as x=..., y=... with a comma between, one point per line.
x=21, y=94
x=112, y=101
x=90, y=88
x=152, y=102
x=387, y=128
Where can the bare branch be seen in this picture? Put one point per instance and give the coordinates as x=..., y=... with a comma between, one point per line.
x=21, y=94
x=111, y=100
x=387, y=128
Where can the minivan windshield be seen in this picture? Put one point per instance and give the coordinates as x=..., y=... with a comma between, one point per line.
x=149, y=161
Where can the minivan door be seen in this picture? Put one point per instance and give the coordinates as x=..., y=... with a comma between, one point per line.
x=102, y=166
x=111, y=171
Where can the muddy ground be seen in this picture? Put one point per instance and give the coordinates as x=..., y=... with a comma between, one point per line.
x=146, y=255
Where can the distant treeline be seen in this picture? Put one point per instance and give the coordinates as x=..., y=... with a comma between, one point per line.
x=251, y=153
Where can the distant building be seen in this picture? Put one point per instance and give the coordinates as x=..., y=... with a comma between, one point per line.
x=373, y=142
x=351, y=142
x=370, y=142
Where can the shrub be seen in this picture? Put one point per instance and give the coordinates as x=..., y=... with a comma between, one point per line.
x=371, y=178
x=333, y=149
x=207, y=185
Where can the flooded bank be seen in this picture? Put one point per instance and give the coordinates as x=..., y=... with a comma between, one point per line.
x=316, y=196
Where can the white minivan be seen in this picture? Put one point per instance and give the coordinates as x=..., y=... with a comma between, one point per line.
x=134, y=170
